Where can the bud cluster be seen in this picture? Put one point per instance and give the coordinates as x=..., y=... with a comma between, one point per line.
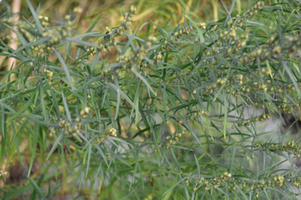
x=72, y=128
x=209, y=183
x=172, y=140
x=3, y=172
x=113, y=33
x=253, y=120
x=290, y=147
x=256, y=186
x=77, y=10
x=55, y=37
x=85, y=112
x=110, y=132
x=49, y=74
x=241, y=20
x=5, y=33
x=45, y=22
x=266, y=181
x=75, y=127
x=194, y=116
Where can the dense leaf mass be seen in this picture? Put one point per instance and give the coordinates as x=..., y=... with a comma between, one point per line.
x=144, y=111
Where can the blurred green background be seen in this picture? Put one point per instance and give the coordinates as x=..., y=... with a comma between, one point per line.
x=165, y=13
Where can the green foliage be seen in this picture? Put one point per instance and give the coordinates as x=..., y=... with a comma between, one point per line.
x=153, y=114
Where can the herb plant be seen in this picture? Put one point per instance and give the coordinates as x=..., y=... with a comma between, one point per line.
x=137, y=112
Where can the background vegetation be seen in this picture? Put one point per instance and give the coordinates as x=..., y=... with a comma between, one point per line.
x=150, y=100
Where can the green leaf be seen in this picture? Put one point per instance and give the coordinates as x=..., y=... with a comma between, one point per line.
x=144, y=81
x=35, y=143
x=89, y=158
x=3, y=126
x=42, y=102
x=18, y=191
x=118, y=97
x=93, y=25
x=200, y=34
x=66, y=108
x=162, y=31
x=35, y=16
x=225, y=115
x=33, y=195
x=57, y=141
x=82, y=42
x=232, y=159
x=40, y=41
x=125, y=96
x=21, y=110
x=37, y=189
x=65, y=69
